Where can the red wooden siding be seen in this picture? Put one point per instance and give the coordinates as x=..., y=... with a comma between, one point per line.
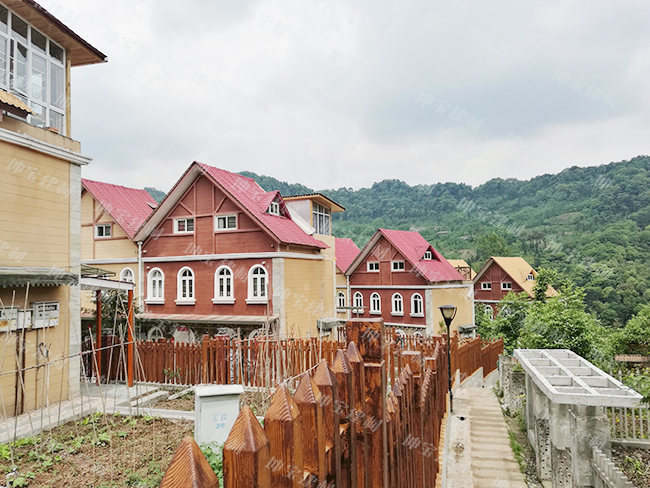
x=495, y=275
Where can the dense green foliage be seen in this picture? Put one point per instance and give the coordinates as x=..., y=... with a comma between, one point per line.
x=157, y=195
x=591, y=225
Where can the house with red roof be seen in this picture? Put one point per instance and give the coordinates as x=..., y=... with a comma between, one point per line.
x=110, y=218
x=400, y=277
x=220, y=254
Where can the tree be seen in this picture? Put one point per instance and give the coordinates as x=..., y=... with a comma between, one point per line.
x=491, y=245
x=513, y=310
x=634, y=338
x=545, y=277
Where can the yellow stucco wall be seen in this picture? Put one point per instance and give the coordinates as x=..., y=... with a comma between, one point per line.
x=308, y=289
x=462, y=298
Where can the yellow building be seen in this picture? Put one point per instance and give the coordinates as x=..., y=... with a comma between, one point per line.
x=40, y=189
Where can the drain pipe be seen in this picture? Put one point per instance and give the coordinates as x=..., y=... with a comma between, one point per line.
x=140, y=271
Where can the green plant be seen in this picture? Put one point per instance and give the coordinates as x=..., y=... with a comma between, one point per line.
x=518, y=451
x=5, y=451
x=23, y=480
x=213, y=452
x=636, y=464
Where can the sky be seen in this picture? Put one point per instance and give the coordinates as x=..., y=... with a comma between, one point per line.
x=338, y=93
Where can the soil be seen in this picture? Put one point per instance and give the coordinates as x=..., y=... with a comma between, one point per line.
x=635, y=463
x=186, y=402
x=97, y=451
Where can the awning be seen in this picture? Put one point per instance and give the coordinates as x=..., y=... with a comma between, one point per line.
x=21, y=276
x=104, y=284
x=209, y=319
x=12, y=104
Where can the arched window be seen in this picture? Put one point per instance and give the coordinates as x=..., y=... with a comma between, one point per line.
x=358, y=302
x=489, y=311
x=340, y=301
x=185, y=287
x=257, y=283
x=398, y=304
x=416, y=305
x=156, y=286
x=375, y=303
x=223, y=285
x=127, y=275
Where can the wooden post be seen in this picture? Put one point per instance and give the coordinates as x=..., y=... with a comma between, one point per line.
x=283, y=427
x=329, y=389
x=129, y=347
x=98, y=342
x=309, y=400
x=246, y=458
x=413, y=359
x=370, y=333
x=356, y=405
x=342, y=369
x=189, y=468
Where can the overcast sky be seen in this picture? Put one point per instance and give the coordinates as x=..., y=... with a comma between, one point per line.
x=345, y=93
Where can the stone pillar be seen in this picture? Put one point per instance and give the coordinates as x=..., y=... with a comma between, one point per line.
x=542, y=425
x=589, y=429
x=560, y=445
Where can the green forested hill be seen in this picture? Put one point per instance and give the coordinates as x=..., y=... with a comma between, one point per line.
x=590, y=224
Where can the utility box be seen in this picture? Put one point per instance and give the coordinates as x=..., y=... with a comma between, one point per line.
x=216, y=408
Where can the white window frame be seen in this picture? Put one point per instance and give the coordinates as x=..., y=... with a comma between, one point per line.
x=227, y=299
x=340, y=300
x=226, y=217
x=125, y=270
x=489, y=311
x=190, y=299
x=104, y=226
x=394, y=266
x=370, y=265
x=428, y=255
x=397, y=305
x=186, y=219
x=375, y=303
x=151, y=299
x=321, y=217
x=274, y=208
x=506, y=285
x=486, y=285
x=358, y=302
x=253, y=286
x=530, y=277
x=414, y=306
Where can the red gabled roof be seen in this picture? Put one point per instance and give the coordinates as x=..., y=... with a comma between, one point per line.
x=412, y=246
x=253, y=197
x=129, y=207
x=346, y=250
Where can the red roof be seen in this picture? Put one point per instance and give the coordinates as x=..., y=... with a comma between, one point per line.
x=412, y=246
x=346, y=251
x=129, y=207
x=251, y=195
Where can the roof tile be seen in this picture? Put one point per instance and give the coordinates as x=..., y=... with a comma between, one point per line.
x=346, y=251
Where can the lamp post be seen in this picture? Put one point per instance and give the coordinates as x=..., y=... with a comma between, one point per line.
x=448, y=313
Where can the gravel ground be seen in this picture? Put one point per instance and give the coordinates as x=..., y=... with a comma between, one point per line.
x=635, y=463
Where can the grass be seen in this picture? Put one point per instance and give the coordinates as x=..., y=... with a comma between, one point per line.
x=518, y=451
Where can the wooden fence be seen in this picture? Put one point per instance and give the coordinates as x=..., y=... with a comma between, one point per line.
x=344, y=427
x=267, y=362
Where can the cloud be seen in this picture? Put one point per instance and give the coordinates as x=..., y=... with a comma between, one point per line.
x=342, y=94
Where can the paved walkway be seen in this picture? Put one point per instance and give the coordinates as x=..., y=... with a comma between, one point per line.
x=479, y=453
x=107, y=398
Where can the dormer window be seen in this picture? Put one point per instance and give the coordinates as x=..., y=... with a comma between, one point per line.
x=321, y=219
x=274, y=208
x=530, y=277
x=428, y=255
x=183, y=226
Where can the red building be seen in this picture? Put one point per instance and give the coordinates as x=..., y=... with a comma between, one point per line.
x=400, y=277
x=502, y=275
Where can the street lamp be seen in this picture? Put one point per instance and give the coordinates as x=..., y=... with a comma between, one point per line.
x=448, y=313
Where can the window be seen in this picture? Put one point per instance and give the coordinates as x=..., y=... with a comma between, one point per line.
x=398, y=265
x=103, y=230
x=225, y=222
x=321, y=219
x=185, y=287
x=274, y=208
x=375, y=303
x=416, y=305
x=373, y=266
x=486, y=285
x=428, y=255
x=358, y=302
x=530, y=277
x=506, y=285
x=156, y=287
x=398, y=304
x=223, y=292
x=127, y=275
x=183, y=226
x=340, y=300
x=489, y=311
x=257, y=281
x=32, y=67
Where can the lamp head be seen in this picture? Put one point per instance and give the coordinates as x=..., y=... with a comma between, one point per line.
x=448, y=313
